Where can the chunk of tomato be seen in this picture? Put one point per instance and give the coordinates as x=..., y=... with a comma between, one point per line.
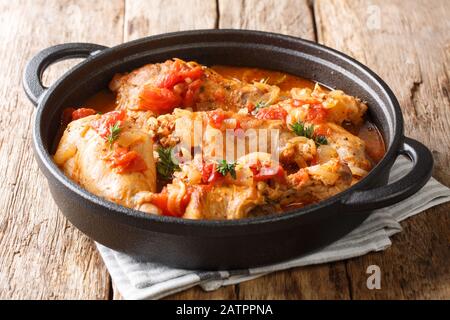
x=322, y=130
x=107, y=121
x=161, y=200
x=185, y=201
x=267, y=172
x=82, y=113
x=158, y=100
x=272, y=113
x=193, y=73
x=126, y=161
x=210, y=174
x=216, y=118
x=191, y=93
x=317, y=114
x=178, y=73
x=300, y=177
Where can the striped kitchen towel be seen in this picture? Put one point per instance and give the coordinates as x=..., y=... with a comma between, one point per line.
x=146, y=280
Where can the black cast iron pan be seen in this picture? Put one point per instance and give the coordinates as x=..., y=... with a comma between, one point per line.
x=221, y=244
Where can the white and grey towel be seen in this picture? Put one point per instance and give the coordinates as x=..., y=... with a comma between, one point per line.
x=146, y=280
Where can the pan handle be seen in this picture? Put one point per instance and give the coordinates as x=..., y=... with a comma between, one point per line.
x=401, y=189
x=32, y=77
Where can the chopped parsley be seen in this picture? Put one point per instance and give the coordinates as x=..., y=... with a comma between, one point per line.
x=320, y=140
x=259, y=105
x=165, y=165
x=114, y=132
x=223, y=167
x=303, y=130
x=307, y=131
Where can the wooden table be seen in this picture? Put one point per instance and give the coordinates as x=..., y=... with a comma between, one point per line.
x=42, y=256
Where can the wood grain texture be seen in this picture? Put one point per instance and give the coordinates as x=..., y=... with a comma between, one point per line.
x=144, y=18
x=293, y=17
x=41, y=255
x=327, y=281
x=409, y=47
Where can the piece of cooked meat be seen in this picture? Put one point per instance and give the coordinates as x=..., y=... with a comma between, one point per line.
x=319, y=182
x=350, y=148
x=319, y=105
x=190, y=85
x=223, y=202
x=298, y=151
x=89, y=159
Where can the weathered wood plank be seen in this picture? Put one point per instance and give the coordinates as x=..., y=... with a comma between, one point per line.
x=41, y=255
x=408, y=46
x=293, y=18
x=327, y=281
x=144, y=18
x=282, y=16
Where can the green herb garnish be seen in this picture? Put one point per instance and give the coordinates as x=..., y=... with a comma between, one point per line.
x=307, y=131
x=303, y=130
x=259, y=105
x=114, y=132
x=223, y=167
x=165, y=165
x=320, y=140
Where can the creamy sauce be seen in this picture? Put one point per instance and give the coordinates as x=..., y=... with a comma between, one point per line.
x=375, y=147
